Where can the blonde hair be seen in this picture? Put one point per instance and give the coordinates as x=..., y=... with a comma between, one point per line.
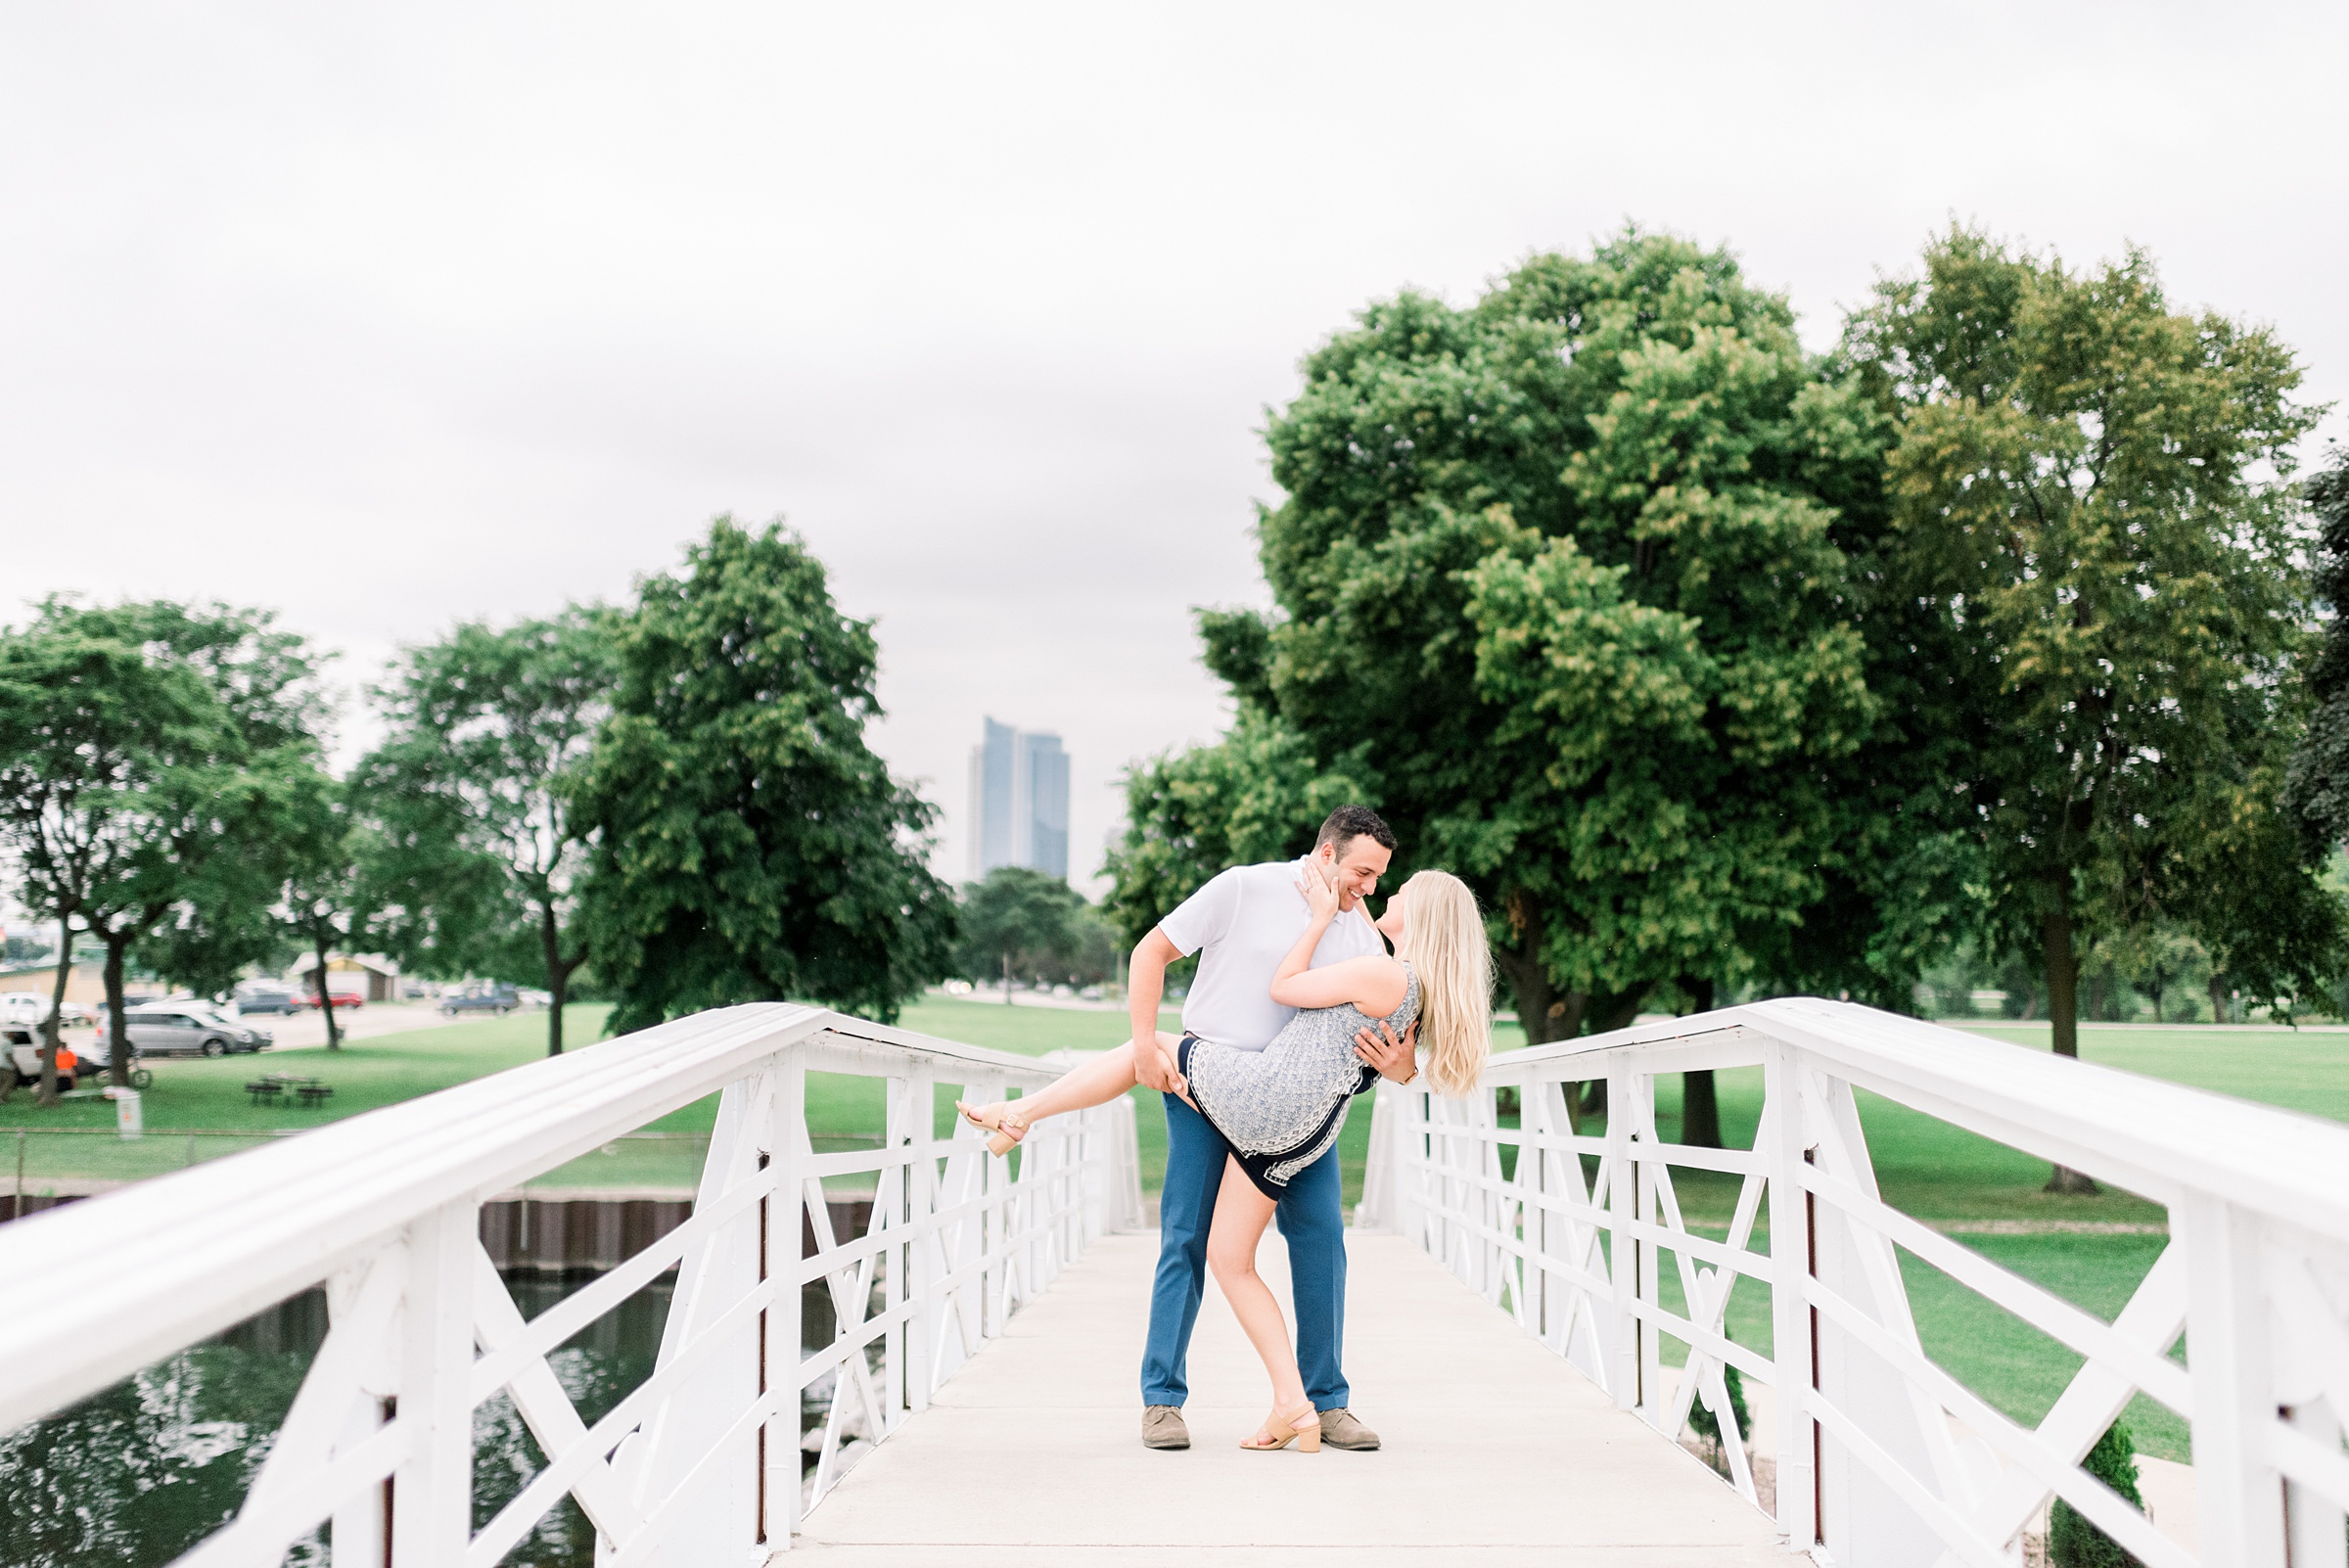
x=1454, y=963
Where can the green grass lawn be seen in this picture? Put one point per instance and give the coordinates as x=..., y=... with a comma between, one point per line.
x=1930, y=1170
x=193, y=1102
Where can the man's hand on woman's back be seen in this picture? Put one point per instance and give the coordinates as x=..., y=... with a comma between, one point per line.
x=1391, y=1058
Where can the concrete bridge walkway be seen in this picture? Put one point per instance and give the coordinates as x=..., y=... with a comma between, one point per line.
x=1495, y=1449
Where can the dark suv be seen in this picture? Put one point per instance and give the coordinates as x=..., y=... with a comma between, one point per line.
x=268, y=1001
x=498, y=999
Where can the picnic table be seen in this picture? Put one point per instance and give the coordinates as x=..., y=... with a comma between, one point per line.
x=270, y=1089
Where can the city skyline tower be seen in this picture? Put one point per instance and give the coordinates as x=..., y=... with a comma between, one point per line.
x=1019, y=794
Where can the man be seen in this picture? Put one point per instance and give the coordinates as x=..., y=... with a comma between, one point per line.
x=1242, y=924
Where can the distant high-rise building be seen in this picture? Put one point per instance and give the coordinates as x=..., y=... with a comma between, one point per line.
x=991, y=769
x=1018, y=801
x=1040, y=805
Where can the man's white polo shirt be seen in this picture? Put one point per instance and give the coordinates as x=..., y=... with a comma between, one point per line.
x=1242, y=924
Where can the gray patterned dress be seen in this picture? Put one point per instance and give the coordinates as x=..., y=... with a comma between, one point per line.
x=1281, y=1108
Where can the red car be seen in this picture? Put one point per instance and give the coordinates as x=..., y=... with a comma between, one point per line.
x=342, y=998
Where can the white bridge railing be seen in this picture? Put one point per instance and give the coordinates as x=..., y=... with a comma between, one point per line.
x=702, y=1463
x=1884, y=1460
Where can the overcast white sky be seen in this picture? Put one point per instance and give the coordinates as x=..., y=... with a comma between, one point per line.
x=387, y=316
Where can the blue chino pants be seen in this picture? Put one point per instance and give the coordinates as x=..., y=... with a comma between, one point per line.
x=1312, y=1221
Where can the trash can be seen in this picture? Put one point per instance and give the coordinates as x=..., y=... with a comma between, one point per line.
x=126, y=1112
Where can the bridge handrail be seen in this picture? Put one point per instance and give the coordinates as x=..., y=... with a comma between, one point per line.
x=2260, y=1155
x=1883, y=1458
x=383, y=1209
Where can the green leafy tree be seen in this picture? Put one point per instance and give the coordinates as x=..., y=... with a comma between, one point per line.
x=1096, y=953
x=145, y=749
x=1565, y=587
x=1018, y=921
x=212, y=825
x=222, y=925
x=480, y=849
x=750, y=845
x=2159, y=957
x=2315, y=790
x=81, y=714
x=2090, y=494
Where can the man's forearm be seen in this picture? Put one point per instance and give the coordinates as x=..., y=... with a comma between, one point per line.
x=1146, y=987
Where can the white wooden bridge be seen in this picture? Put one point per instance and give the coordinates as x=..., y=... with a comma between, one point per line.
x=1508, y=1320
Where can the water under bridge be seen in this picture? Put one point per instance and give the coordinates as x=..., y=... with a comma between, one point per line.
x=1532, y=1324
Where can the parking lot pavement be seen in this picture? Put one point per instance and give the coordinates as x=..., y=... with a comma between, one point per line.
x=300, y=1032
x=294, y=1032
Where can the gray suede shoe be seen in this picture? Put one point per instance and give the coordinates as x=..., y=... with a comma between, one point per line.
x=1163, y=1428
x=1340, y=1430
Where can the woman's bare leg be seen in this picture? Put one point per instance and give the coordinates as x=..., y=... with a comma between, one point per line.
x=1241, y=1214
x=1096, y=1082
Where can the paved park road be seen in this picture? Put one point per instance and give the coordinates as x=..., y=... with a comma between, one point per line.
x=1496, y=1451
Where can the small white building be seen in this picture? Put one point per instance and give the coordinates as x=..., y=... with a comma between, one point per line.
x=368, y=976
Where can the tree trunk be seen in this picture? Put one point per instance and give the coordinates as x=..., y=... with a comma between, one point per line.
x=53, y=1032
x=1539, y=1010
x=1606, y=1013
x=558, y=993
x=558, y=977
x=1700, y=1104
x=117, y=1033
x=2063, y=980
x=326, y=997
x=1007, y=980
x=1541, y=1013
x=2063, y=1013
x=2218, y=997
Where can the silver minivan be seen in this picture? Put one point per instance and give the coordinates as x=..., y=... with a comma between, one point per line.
x=188, y=1029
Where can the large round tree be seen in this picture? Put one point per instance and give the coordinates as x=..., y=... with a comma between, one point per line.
x=749, y=845
x=1567, y=585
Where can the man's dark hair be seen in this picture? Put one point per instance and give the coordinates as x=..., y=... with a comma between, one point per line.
x=1350, y=823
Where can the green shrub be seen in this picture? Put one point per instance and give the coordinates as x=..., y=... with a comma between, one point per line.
x=1703, y=1425
x=2074, y=1542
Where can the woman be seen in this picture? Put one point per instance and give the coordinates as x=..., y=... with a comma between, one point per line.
x=1281, y=1108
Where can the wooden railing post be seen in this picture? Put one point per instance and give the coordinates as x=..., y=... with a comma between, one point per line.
x=785, y=1139
x=921, y=1254
x=910, y=1115
x=2238, y=1493
x=431, y=1489
x=1623, y=1253
x=359, y=1530
x=1651, y=1285
x=993, y=1225
x=1789, y=1293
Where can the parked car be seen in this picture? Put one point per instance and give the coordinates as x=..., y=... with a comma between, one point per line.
x=498, y=999
x=268, y=1001
x=21, y=1054
x=528, y=997
x=32, y=1008
x=341, y=998
x=24, y=1058
x=188, y=1029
